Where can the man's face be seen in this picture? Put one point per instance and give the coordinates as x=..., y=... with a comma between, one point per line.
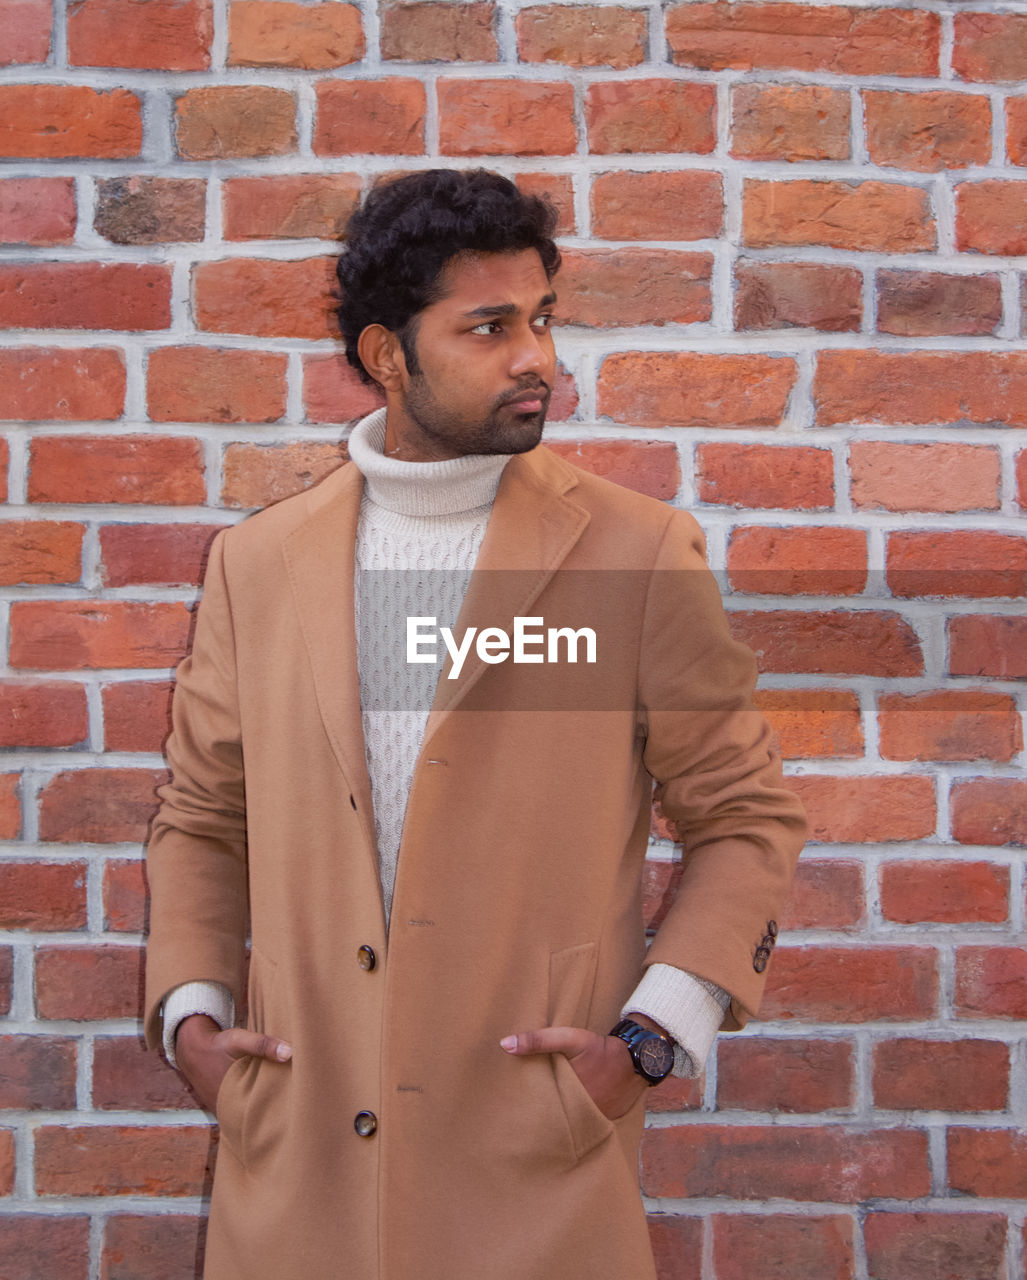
x=485, y=362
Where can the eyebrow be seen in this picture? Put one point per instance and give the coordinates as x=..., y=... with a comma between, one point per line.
x=503, y=309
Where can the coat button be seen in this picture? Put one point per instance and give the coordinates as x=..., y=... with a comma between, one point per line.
x=772, y=928
x=366, y=958
x=759, y=960
x=365, y=1123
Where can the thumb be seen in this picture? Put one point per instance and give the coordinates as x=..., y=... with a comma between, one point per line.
x=237, y=1042
x=566, y=1040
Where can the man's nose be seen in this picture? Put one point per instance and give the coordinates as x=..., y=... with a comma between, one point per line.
x=530, y=354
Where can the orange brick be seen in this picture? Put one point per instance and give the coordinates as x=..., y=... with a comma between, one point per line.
x=10, y=829
x=797, y=295
x=555, y=188
x=766, y=560
x=952, y=724
x=58, y=635
x=990, y=46
x=991, y=811
x=988, y=645
x=811, y=1247
x=856, y=810
x=987, y=1162
x=647, y=466
x=61, y=384
x=813, y=722
x=257, y=475
x=919, y=303
x=45, y=1244
x=88, y=983
x=4, y=460
x=563, y=403
x=37, y=211
x=370, y=117
x=40, y=551
x=861, y=642
x=126, y=1076
x=150, y=210
x=158, y=469
x=991, y=217
x=834, y=38
x=605, y=288
x=657, y=389
x=267, y=298
x=278, y=33
x=125, y=902
x=825, y=894
x=944, y=892
x=27, y=26
x=677, y=1245
x=966, y=562
x=134, y=1243
x=39, y=1075
x=42, y=896
x=166, y=35
x=166, y=554
x=790, y=122
x=136, y=715
x=582, y=35
x=939, y=1075
x=289, y=206
x=62, y=121
x=42, y=713
x=757, y=475
x=1021, y=478
x=626, y=116
x=235, y=121
x=900, y=1245
x=506, y=117
x=927, y=131
x=98, y=806
x=439, y=32
x=882, y=216
x=1016, y=130
x=990, y=982
x=657, y=206
x=334, y=392
x=852, y=984
x=206, y=384
x=784, y=1075
x=85, y=295
x=122, y=1160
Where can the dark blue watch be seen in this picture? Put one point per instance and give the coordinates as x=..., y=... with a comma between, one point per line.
x=652, y=1054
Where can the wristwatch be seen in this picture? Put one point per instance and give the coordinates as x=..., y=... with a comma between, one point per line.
x=652, y=1054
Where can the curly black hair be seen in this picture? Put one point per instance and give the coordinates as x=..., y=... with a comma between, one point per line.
x=400, y=240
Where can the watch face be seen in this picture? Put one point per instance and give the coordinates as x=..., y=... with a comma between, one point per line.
x=655, y=1057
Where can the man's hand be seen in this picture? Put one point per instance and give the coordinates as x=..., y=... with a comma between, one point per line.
x=205, y=1052
x=602, y=1063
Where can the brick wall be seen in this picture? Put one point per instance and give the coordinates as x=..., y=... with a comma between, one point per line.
x=795, y=239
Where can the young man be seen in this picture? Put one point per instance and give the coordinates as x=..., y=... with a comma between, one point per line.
x=452, y=1019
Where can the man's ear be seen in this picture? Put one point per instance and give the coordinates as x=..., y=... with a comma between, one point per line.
x=381, y=354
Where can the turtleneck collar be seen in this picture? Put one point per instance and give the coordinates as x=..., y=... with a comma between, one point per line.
x=422, y=488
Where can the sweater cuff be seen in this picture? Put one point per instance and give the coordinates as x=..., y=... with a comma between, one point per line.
x=183, y=1001
x=689, y=1009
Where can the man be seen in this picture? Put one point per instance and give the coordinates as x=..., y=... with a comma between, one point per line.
x=440, y=865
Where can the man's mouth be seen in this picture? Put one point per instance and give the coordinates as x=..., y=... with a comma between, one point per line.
x=531, y=401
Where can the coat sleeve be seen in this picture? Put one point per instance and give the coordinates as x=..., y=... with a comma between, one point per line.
x=718, y=777
x=196, y=857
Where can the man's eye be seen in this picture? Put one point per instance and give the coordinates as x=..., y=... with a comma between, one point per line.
x=489, y=327
x=544, y=321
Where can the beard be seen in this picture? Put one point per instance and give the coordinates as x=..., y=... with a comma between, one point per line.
x=502, y=430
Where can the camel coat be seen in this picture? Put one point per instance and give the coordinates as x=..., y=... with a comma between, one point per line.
x=518, y=901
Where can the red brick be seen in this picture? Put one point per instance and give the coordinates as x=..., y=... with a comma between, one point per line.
x=1021, y=478
x=257, y=475
x=370, y=117
x=558, y=190
x=688, y=205
x=582, y=35
x=439, y=32
x=125, y=904
x=758, y=475
x=991, y=217
x=677, y=1246
x=43, y=896
x=950, y=387
x=169, y=554
x=836, y=642
x=37, y=210
x=152, y=1246
x=37, y=1074
x=506, y=117
x=6, y=1162
x=797, y=295
x=927, y=131
x=1016, y=130
x=938, y=1075
x=44, y=713
x=122, y=1160
x=235, y=121
x=934, y=1246
x=924, y=477
x=790, y=122
x=166, y=35
x=98, y=806
x=675, y=1095
x=206, y=384
x=990, y=46
x=825, y=894
x=783, y=1247
x=609, y=288
x=760, y=1074
x=926, y=303
x=956, y=724
x=150, y=469
x=813, y=722
x=972, y=563
x=753, y=1162
x=86, y=984
x=806, y=560
x=38, y=1244
x=10, y=828
x=334, y=392
x=563, y=404
x=57, y=635
x=276, y=33
x=4, y=460
x=833, y=38
x=147, y=210
x=991, y=982
x=946, y=892
x=265, y=297
x=128, y=1077
x=988, y=1162
x=882, y=216
x=988, y=645
x=852, y=984
x=686, y=389
x=624, y=116
x=61, y=121
x=289, y=206
x=26, y=32
x=859, y=809
x=40, y=551
x=647, y=466
x=62, y=384
x=990, y=811
x=85, y=295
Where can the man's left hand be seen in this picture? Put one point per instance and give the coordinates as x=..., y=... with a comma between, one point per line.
x=602, y=1063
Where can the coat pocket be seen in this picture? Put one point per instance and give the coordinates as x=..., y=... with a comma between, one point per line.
x=571, y=978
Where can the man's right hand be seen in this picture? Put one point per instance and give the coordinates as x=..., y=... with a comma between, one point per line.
x=204, y=1052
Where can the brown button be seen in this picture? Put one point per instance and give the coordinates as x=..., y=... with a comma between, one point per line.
x=365, y=1123
x=366, y=958
x=772, y=928
x=759, y=960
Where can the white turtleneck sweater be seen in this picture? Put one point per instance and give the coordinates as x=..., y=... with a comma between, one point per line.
x=420, y=528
